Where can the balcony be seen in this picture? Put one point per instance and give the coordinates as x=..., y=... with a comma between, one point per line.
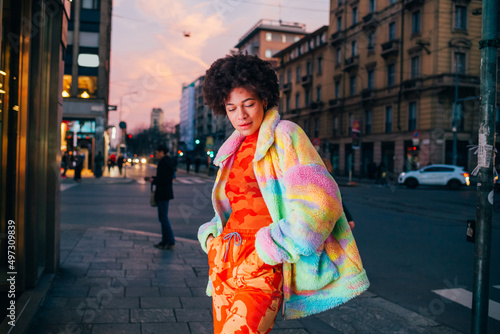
x=337, y=37
x=413, y=3
x=412, y=85
x=287, y=87
x=390, y=48
x=335, y=103
x=317, y=106
x=464, y=81
x=306, y=80
x=367, y=94
x=370, y=21
x=351, y=63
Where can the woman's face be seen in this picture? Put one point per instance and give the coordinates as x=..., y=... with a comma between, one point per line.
x=245, y=111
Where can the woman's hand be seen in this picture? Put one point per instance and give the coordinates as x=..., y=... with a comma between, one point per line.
x=351, y=224
x=209, y=239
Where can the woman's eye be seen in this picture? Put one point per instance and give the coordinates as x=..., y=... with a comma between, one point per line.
x=249, y=106
x=231, y=109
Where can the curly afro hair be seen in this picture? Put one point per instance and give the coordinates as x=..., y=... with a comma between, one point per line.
x=239, y=71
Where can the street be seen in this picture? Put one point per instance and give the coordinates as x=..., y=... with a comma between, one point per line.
x=412, y=241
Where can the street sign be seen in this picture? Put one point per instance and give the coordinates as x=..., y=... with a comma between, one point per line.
x=123, y=125
x=316, y=141
x=112, y=108
x=416, y=134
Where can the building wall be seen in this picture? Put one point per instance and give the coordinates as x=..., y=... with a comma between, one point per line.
x=187, y=117
x=30, y=117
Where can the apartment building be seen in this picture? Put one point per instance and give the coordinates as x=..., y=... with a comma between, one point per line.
x=86, y=79
x=394, y=70
x=267, y=37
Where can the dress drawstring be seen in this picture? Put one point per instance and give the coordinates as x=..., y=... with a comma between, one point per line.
x=237, y=241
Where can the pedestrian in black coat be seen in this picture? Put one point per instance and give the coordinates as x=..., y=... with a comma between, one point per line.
x=163, y=194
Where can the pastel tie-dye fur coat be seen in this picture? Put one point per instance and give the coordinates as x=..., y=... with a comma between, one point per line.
x=309, y=234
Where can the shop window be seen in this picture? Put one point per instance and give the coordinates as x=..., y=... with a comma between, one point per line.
x=87, y=87
x=67, y=80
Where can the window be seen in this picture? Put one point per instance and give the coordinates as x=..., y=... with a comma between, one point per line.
x=287, y=101
x=461, y=17
x=412, y=116
x=90, y=4
x=459, y=62
x=297, y=100
x=297, y=78
x=371, y=41
x=269, y=36
x=308, y=68
x=316, y=127
x=354, y=48
x=281, y=81
x=338, y=59
x=415, y=67
x=371, y=76
x=415, y=22
x=335, y=125
x=372, y=6
x=318, y=93
x=368, y=122
x=296, y=39
x=67, y=79
x=269, y=53
x=339, y=3
x=388, y=119
x=354, y=15
x=308, y=97
x=283, y=38
x=349, y=125
x=337, y=89
x=289, y=76
x=339, y=23
x=352, y=85
x=306, y=126
x=87, y=86
x=391, y=75
x=392, y=31
x=320, y=65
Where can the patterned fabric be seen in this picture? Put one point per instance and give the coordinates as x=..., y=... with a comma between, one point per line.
x=249, y=211
x=309, y=235
x=246, y=291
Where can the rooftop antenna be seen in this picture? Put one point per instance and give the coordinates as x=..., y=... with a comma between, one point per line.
x=279, y=15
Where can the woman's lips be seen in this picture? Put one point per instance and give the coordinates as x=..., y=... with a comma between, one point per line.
x=244, y=126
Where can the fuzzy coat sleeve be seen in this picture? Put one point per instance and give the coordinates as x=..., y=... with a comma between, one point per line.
x=310, y=197
x=205, y=230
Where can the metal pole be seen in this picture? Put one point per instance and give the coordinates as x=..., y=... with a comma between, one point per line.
x=454, y=115
x=488, y=46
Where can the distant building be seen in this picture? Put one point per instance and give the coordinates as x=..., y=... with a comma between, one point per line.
x=86, y=79
x=267, y=37
x=186, y=128
x=157, y=118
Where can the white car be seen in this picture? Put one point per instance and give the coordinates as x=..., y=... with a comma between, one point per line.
x=436, y=175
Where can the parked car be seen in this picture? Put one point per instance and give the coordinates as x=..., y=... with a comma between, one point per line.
x=436, y=175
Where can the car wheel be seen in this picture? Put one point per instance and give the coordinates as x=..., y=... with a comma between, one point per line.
x=454, y=184
x=411, y=182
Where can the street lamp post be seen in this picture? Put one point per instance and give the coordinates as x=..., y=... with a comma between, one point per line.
x=122, y=135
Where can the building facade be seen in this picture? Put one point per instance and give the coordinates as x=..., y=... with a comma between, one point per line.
x=86, y=79
x=31, y=70
x=394, y=71
x=156, y=118
x=267, y=37
x=186, y=127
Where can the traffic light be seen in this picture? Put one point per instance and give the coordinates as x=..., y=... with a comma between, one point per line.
x=129, y=136
x=180, y=153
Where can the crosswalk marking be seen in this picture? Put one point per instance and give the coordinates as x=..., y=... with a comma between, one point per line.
x=191, y=180
x=464, y=297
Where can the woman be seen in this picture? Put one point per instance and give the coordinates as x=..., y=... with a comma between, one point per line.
x=279, y=235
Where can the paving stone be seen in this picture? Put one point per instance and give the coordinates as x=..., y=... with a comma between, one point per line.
x=198, y=282
x=169, y=282
x=185, y=315
x=76, y=291
x=92, y=281
x=120, y=302
x=119, y=244
x=152, y=315
x=196, y=302
x=136, y=266
x=140, y=273
x=205, y=327
x=199, y=292
x=69, y=327
x=106, y=316
x=99, y=259
x=106, y=292
x=160, y=302
x=144, y=282
x=106, y=273
x=105, y=266
x=177, y=292
x=296, y=331
x=177, y=328
x=117, y=329
x=142, y=292
x=55, y=316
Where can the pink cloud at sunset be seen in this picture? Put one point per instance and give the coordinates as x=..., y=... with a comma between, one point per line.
x=151, y=58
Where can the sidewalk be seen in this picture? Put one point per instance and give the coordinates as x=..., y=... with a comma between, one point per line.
x=88, y=177
x=113, y=281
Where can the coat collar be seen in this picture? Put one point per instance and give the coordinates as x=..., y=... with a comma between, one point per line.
x=264, y=141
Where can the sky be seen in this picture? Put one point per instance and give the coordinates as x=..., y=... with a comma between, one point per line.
x=151, y=58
